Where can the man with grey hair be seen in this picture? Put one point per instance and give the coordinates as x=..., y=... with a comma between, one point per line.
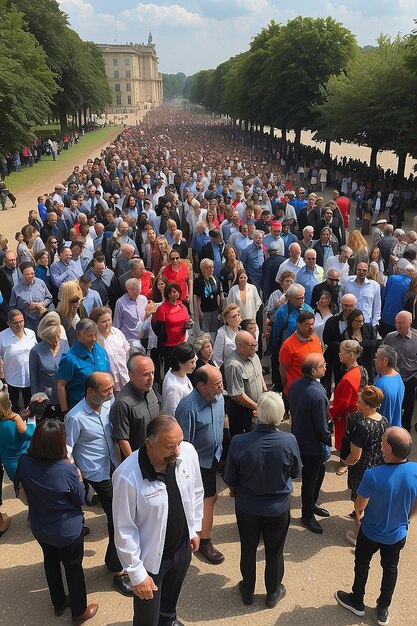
x=396, y=288
x=294, y=263
x=340, y=263
x=269, y=458
x=367, y=293
x=137, y=270
x=390, y=383
x=126, y=253
x=310, y=426
x=253, y=258
x=332, y=285
x=386, y=245
x=404, y=342
x=307, y=240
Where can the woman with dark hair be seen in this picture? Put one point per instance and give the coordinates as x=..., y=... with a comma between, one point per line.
x=322, y=312
x=176, y=383
x=209, y=297
x=365, y=334
x=55, y=493
x=15, y=435
x=325, y=247
x=42, y=269
x=229, y=269
x=171, y=321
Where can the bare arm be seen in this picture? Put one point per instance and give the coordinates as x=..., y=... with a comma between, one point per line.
x=354, y=455
x=245, y=401
x=125, y=447
x=62, y=394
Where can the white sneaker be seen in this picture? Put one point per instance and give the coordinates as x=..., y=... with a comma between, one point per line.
x=350, y=536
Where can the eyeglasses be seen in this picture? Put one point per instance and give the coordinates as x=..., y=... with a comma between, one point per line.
x=54, y=242
x=175, y=258
x=333, y=280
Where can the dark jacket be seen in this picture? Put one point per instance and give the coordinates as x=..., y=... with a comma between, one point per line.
x=319, y=249
x=269, y=272
x=309, y=420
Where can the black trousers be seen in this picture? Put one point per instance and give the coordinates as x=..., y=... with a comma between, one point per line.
x=14, y=395
x=390, y=555
x=162, y=609
x=274, y=532
x=104, y=490
x=240, y=418
x=312, y=479
x=72, y=558
x=408, y=403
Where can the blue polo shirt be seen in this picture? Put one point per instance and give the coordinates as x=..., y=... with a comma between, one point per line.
x=280, y=322
x=77, y=364
x=393, y=390
x=253, y=260
x=392, y=491
x=395, y=290
x=202, y=425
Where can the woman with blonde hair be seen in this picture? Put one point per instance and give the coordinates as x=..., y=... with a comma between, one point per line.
x=161, y=256
x=226, y=335
x=360, y=250
x=209, y=297
x=70, y=307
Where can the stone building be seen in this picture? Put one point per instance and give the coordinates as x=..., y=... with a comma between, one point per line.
x=135, y=81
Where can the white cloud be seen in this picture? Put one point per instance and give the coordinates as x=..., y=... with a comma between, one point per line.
x=174, y=15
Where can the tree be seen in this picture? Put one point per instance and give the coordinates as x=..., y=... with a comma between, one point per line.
x=372, y=103
x=26, y=83
x=174, y=84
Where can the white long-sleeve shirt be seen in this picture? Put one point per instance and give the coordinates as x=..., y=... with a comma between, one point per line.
x=368, y=297
x=140, y=511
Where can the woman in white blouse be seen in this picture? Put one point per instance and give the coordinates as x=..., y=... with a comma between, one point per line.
x=226, y=335
x=115, y=344
x=176, y=383
x=245, y=295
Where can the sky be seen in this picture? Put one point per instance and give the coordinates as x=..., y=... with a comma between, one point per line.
x=195, y=35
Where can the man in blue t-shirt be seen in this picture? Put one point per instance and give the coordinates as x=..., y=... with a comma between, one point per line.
x=386, y=501
x=390, y=382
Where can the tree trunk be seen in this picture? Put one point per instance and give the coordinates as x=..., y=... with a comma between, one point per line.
x=297, y=139
x=283, y=135
x=85, y=117
x=373, y=164
x=327, y=150
x=271, y=132
x=80, y=123
x=402, y=157
x=246, y=126
x=62, y=114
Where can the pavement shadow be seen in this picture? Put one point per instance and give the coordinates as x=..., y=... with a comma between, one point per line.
x=327, y=615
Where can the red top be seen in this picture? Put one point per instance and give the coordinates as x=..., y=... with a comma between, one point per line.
x=346, y=393
x=146, y=283
x=293, y=353
x=180, y=277
x=344, y=206
x=173, y=316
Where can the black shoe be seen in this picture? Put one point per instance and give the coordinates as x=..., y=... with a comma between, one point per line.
x=66, y=605
x=318, y=510
x=312, y=524
x=122, y=584
x=177, y=622
x=211, y=553
x=86, y=531
x=272, y=599
x=246, y=594
x=346, y=600
x=382, y=616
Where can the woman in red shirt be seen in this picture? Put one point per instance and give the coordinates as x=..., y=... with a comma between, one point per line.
x=346, y=393
x=178, y=272
x=171, y=321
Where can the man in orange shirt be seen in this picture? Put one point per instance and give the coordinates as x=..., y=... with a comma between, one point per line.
x=295, y=349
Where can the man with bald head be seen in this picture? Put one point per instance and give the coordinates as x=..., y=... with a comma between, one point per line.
x=201, y=416
x=310, y=426
x=332, y=336
x=294, y=263
x=404, y=342
x=385, y=504
x=135, y=406
x=244, y=383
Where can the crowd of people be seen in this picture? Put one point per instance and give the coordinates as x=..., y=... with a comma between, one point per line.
x=166, y=308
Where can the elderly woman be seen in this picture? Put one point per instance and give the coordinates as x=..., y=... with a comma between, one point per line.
x=16, y=342
x=225, y=341
x=209, y=297
x=365, y=428
x=44, y=360
x=325, y=247
x=176, y=383
x=245, y=295
x=346, y=393
x=114, y=343
x=55, y=492
x=259, y=471
x=70, y=308
x=85, y=357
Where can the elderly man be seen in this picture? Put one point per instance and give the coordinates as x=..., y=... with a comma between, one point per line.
x=201, y=416
x=214, y=250
x=309, y=275
x=135, y=406
x=310, y=214
x=157, y=510
x=274, y=236
x=386, y=245
x=123, y=261
x=89, y=440
x=307, y=241
x=270, y=269
x=385, y=504
x=367, y=293
x=332, y=285
x=294, y=350
x=63, y=270
x=240, y=240
x=10, y=275
x=50, y=228
x=259, y=469
x=390, y=382
x=310, y=426
x=132, y=313
x=244, y=383
x=340, y=263
x=332, y=336
x=137, y=270
x=253, y=258
x=404, y=342
x=31, y=296
x=103, y=280
x=294, y=263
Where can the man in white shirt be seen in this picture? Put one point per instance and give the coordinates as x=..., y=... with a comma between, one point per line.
x=340, y=263
x=367, y=292
x=157, y=511
x=294, y=263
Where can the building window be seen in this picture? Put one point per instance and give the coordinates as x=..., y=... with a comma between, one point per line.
x=128, y=74
x=127, y=62
x=128, y=87
x=117, y=87
x=114, y=62
x=116, y=74
x=129, y=99
x=118, y=100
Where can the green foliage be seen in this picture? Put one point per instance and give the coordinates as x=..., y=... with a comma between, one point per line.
x=174, y=84
x=26, y=82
